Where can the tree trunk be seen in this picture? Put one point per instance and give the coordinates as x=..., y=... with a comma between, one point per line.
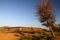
x=51, y=31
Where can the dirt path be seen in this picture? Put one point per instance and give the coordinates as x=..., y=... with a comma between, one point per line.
x=7, y=36
x=57, y=38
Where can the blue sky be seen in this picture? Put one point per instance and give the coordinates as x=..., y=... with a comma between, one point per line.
x=21, y=13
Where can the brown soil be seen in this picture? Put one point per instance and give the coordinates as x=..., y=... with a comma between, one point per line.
x=57, y=38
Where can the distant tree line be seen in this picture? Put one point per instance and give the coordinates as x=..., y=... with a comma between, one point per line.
x=56, y=28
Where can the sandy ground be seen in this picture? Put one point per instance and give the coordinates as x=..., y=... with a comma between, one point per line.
x=7, y=36
x=57, y=38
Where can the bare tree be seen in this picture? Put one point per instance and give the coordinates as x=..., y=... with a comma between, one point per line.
x=45, y=14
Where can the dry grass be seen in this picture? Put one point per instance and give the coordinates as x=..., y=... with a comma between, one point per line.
x=5, y=35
